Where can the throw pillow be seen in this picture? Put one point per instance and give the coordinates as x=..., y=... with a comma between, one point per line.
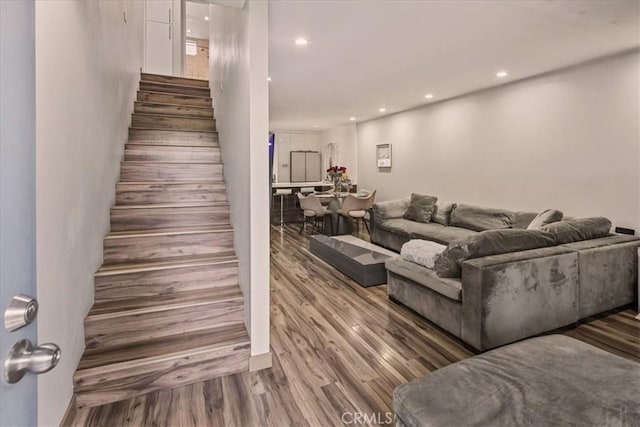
x=492, y=242
x=421, y=252
x=481, y=219
x=420, y=208
x=545, y=217
x=442, y=212
x=577, y=230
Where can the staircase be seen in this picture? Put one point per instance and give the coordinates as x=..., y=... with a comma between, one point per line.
x=168, y=309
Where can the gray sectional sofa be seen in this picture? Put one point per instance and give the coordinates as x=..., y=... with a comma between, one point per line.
x=505, y=297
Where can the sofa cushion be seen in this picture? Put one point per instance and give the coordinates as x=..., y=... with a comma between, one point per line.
x=390, y=209
x=548, y=381
x=480, y=219
x=431, y=231
x=442, y=212
x=545, y=217
x=421, y=252
x=492, y=242
x=523, y=219
x=420, y=207
x=576, y=230
x=450, y=288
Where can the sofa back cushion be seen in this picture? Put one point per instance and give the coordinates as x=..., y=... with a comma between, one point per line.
x=390, y=209
x=492, y=242
x=545, y=217
x=577, y=230
x=442, y=212
x=523, y=219
x=481, y=219
x=420, y=208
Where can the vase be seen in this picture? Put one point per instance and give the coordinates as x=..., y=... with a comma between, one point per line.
x=336, y=185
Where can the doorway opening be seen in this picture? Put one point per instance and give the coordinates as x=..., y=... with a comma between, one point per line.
x=196, y=57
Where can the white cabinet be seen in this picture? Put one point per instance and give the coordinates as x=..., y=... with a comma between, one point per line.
x=158, y=43
x=159, y=53
x=159, y=11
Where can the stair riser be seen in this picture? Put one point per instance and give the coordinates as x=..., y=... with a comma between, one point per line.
x=179, y=90
x=172, y=123
x=142, y=194
x=155, y=247
x=97, y=387
x=173, y=110
x=168, y=98
x=169, y=137
x=174, y=80
x=160, y=153
x=137, y=172
x=149, y=219
x=166, y=281
x=129, y=328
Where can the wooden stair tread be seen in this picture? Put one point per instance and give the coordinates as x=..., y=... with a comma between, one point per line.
x=171, y=147
x=175, y=85
x=217, y=228
x=172, y=130
x=194, y=182
x=169, y=162
x=168, y=104
x=163, y=77
x=116, y=308
x=173, y=116
x=165, y=93
x=167, y=263
x=166, y=347
x=173, y=206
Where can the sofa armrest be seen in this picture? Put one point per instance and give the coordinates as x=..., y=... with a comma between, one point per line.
x=517, y=295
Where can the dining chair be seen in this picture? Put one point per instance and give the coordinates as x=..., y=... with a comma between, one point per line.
x=312, y=208
x=355, y=208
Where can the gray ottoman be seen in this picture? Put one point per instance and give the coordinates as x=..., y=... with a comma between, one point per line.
x=548, y=381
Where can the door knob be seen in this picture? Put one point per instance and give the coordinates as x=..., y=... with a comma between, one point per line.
x=24, y=357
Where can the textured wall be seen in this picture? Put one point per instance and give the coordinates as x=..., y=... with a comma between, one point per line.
x=239, y=68
x=87, y=70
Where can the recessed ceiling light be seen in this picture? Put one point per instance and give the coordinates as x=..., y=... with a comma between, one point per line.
x=301, y=41
x=502, y=74
x=382, y=110
x=429, y=96
x=268, y=79
x=352, y=118
x=206, y=18
x=188, y=30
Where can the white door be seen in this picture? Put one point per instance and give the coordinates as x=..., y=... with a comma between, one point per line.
x=159, y=50
x=159, y=11
x=18, y=394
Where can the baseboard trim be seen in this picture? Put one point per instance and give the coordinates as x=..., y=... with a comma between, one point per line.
x=70, y=413
x=260, y=362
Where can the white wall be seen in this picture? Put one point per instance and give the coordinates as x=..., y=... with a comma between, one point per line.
x=87, y=70
x=239, y=69
x=566, y=140
x=346, y=139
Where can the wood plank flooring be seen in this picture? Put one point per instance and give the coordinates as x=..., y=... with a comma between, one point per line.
x=337, y=348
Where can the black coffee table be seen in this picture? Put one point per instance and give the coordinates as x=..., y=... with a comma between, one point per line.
x=358, y=259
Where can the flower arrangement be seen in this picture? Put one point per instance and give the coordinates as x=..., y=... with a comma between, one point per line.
x=338, y=175
x=337, y=172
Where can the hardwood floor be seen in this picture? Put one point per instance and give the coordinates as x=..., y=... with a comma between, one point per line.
x=338, y=348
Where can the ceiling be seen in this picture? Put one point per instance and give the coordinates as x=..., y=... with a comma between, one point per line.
x=195, y=20
x=364, y=55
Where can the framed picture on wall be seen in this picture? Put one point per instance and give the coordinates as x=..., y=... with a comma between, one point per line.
x=383, y=155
